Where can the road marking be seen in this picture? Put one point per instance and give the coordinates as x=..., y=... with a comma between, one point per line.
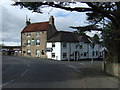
x=82, y=63
x=28, y=65
x=7, y=83
x=75, y=68
x=24, y=72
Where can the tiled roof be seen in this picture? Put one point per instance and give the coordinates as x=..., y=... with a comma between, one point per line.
x=42, y=26
x=63, y=36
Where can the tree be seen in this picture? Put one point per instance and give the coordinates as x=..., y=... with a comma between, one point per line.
x=96, y=12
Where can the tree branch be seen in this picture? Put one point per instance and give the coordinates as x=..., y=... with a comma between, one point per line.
x=102, y=11
x=87, y=28
x=52, y=4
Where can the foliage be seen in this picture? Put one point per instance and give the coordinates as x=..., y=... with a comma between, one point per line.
x=109, y=36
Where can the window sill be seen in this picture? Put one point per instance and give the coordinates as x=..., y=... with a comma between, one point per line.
x=28, y=45
x=37, y=45
x=28, y=36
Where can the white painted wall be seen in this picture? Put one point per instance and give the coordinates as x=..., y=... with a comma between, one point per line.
x=84, y=49
x=56, y=50
x=59, y=50
x=71, y=48
x=96, y=48
x=49, y=45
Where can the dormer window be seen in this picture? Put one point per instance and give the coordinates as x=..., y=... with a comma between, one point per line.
x=53, y=44
x=64, y=44
x=37, y=34
x=28, y=34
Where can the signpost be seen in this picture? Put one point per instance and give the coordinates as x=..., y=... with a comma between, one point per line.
x=48, y=49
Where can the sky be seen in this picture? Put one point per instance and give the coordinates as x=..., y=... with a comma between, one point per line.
x=13, y=20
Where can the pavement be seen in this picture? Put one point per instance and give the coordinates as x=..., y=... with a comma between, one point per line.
x=23, y=72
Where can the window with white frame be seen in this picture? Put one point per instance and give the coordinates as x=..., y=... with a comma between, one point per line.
x=28, y=34
x=28, y=52
x=80, y=46
x=53, y=55
x=93, y=53
x=81, y=54
x=96, y=53
x=28, y=42
x=37, y=42
x=37, y=34
x=92, y=45
x=64, y=55
x=32, y=41
x=84, y=54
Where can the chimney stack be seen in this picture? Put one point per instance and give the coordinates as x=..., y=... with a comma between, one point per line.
x=27, y=21
x=51, y=20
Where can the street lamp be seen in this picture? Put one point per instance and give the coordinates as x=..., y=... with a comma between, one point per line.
x=103, y=52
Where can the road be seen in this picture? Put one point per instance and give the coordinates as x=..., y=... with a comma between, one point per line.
x=23, y=72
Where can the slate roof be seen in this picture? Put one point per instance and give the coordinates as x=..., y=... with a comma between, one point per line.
x=95, y=41
x=63, y=36
x=85, y=39
x=42, y=26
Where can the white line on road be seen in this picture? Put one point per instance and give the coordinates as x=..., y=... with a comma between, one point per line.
x=75, y=68
x=24, y=72
x=82, y=63
x=6, y=83
x=28, y=65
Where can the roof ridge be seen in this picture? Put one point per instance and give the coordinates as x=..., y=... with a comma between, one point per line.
x=40, y=22
x=33, y=27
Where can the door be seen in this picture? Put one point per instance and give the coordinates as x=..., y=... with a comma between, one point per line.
x=37, y=53
x=76, y=55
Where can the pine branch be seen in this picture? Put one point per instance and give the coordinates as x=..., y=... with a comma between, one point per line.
x=87, y=28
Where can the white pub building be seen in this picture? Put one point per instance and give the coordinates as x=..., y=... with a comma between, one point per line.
x=68, y=46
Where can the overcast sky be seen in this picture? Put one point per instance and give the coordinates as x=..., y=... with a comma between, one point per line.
x=14, y=18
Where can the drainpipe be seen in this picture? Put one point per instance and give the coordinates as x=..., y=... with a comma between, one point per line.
x=70, y=52
x=88, y=50
x=103, y=46
x=61, y=51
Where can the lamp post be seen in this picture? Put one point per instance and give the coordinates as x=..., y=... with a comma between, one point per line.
x=103, y=52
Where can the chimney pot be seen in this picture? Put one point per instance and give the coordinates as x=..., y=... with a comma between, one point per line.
x=51, y=20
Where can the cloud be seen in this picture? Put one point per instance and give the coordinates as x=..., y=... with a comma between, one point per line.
x=64, y=19
x=13, y=20
x=92, y=33
x=12, y=25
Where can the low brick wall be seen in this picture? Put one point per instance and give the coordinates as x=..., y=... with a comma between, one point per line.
x=113, y=68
